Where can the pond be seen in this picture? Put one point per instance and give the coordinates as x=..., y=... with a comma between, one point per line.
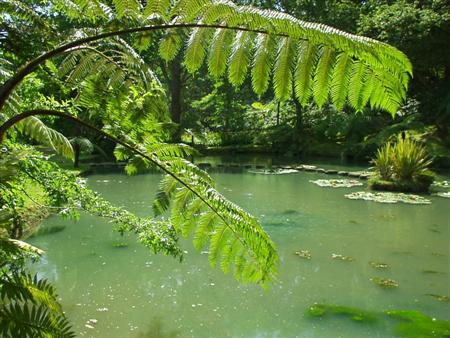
x=113, y=287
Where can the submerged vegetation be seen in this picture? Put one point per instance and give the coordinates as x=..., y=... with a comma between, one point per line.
x=95, y=80
x=406, y=323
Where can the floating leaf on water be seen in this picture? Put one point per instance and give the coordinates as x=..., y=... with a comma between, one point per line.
x=439, y=298
x=303, y=254
x=388, y=197
x=342, y=257
x=384, y=282
x=378, y=265
x=335, y=183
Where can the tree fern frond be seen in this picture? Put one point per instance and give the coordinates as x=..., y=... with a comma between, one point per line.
x=37, y=130
x=282, y=72
x=170, y=46
x=340, y=80
x=322, y=76
x=159, y=7
x=218, y=52
x=357, y=78
x=126, y=8
x=307, y=58
x=196, y=49
x=262, y=63
x=239, y=58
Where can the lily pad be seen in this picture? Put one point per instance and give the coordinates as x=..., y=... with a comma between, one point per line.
x=439, y=298
x=303, y=254
x=342, y=257
x=388, y=197
x=385, y=282
x=378, y=265
x=335, y=183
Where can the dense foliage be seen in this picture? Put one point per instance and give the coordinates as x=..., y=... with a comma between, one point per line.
x=78, y=75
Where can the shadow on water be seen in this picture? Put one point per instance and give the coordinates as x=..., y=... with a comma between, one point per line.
x=156, y=330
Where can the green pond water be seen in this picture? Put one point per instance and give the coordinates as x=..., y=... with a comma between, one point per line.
x=133, y=293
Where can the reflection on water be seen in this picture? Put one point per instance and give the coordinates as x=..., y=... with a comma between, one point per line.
x=132, y=293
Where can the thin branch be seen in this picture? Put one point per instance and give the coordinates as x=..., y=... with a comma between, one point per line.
x=17, y=118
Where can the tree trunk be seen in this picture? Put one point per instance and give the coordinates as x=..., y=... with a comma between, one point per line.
x=76, y=157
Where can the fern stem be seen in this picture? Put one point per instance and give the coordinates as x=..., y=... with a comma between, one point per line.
x=7, y=88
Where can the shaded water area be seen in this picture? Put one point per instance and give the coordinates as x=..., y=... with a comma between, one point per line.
x=133, y=293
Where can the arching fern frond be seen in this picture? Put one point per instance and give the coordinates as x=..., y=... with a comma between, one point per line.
x=239, y=57
x=38, y=131
x=262, y=63
x=218, y=52
x=282, y=77
x=221, y=227
x=322, y=76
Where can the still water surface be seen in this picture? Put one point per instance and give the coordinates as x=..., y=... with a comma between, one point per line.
x=133, y=293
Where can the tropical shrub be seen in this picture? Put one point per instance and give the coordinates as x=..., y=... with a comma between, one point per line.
x=402, y=165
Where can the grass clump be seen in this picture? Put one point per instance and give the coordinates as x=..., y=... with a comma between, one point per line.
x=402, y=166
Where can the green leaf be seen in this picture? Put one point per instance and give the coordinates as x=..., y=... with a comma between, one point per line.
x=240, y=57
x=307, y=58
x=282, y=72
x=322, y=75
x=262, y=63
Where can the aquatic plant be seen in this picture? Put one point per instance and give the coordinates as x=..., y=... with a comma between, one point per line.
x=342, y=257
x=303, y=254
x=405, y=323
x=385, y=282
x=402, y=166
x=378, y=265
x=343, y=183
x=355, y=314
x=388, y=197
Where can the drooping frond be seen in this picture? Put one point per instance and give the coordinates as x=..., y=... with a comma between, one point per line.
x=218, y=53
x=322, y=76
x=225, y=230
x=170, y=45
x=196, y=49
x=319, y=45
x=127, y=8
x=38, y=131
x=262, y=63
x=307, y=58
x=29, y=308
x=340, y=78
x=282, y=77
x=357, y=78
x=239, y=57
